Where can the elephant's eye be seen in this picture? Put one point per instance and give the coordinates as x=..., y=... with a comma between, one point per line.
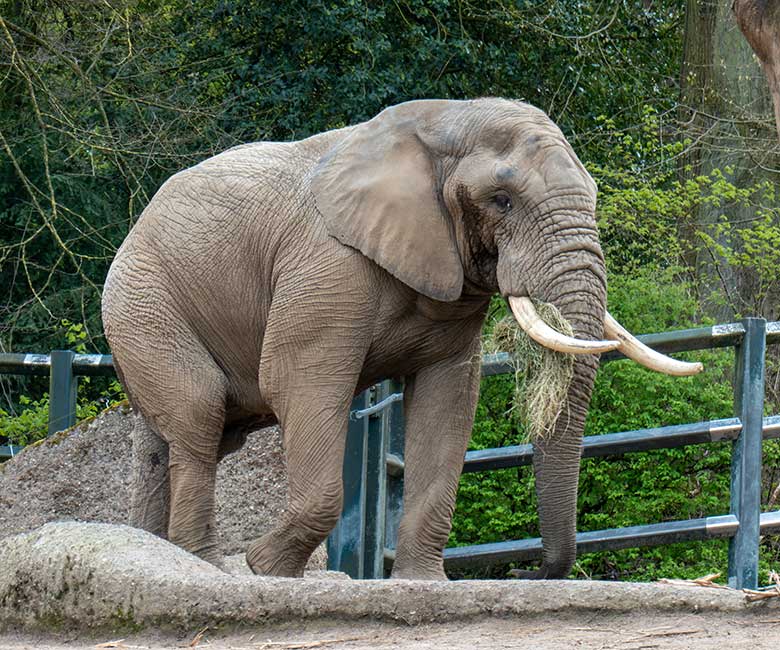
x=503, y=202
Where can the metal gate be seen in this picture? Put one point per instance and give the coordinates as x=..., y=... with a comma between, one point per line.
x=363, y=542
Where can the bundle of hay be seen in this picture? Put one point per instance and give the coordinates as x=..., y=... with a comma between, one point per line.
x=542, y=376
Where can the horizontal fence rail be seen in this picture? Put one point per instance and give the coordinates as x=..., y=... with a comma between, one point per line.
x=612, y=539
x=609, y=444
x=362, y=543
x=700, y=338
x=93, y=365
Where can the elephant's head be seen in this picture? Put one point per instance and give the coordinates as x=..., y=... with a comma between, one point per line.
x=488, y=196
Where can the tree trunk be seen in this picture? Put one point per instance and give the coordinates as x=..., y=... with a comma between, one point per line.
x=724, y=109
x=759, y=21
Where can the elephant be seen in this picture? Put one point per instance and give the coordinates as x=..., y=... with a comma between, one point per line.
x=273, y=282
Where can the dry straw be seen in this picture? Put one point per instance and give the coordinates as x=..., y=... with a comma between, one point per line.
x=542, y=376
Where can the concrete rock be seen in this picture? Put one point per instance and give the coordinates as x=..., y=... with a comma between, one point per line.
x=114, y=577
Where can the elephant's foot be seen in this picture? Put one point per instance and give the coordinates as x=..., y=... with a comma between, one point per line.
x=544, y=572
x=524, y=574
x=413, y=568
x=207, y=552
x=215, y=558
x=276, y=555
x=415, y=574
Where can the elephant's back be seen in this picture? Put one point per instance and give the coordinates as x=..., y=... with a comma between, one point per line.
x=221, y=217
x=202, y=256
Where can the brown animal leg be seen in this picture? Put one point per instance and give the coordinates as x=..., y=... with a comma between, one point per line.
x=150, y=484
x=314, y=436
x=439, y=408
x=195, y=425
x=311, y=362
x=180, y=393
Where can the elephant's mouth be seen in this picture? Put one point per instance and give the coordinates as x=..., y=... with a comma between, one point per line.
x=620, y=339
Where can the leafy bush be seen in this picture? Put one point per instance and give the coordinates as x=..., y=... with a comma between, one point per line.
x=28, y=425
x=649, y=217
x=30, y=422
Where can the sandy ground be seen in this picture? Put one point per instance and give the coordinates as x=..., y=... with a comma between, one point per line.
x=587, y=631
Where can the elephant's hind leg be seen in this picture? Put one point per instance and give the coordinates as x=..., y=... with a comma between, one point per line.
x=195, y=425
x=150, y=484
x=181, y=392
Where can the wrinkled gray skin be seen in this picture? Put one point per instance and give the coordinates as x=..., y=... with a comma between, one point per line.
x=276, y=280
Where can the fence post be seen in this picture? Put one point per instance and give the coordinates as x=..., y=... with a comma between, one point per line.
x=746, y=455
x=346, y=543
x=62, y=391
x=376, y=488
x=394, y=502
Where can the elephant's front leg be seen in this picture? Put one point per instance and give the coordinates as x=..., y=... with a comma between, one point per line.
x=311, y=364
x=314, y=425
x=439, y=405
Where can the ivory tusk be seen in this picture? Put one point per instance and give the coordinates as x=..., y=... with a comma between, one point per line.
x=634, y=349
x=526, y=316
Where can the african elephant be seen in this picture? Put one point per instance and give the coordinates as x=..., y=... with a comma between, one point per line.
x=276, y=280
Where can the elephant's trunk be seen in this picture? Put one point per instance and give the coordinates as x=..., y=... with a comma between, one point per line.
x=556, y=468
x=580, y=296
x=573, y=278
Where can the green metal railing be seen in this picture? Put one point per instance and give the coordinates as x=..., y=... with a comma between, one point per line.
x=63, y=368
x=362, y=544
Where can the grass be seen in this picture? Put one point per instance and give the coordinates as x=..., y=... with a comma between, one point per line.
x=542, y=376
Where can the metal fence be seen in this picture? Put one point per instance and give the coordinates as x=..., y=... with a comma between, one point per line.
x=363, y=542
x=63, y=368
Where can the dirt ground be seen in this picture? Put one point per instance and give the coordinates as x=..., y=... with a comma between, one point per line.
x=635, y=631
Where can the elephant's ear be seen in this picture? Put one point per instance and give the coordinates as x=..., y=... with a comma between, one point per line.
x=377, y=192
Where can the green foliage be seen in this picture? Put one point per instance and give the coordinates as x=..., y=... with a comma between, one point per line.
x=101, y=101
x=75, y=335
x=30, y=423
x=751, y=248
x=662, y=485
x=647, y=216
